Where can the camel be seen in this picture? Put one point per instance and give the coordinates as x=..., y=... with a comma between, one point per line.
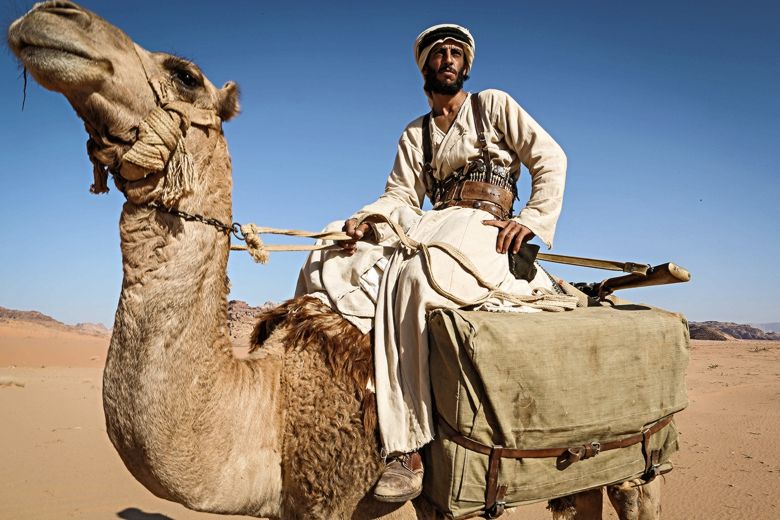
x=288, y=432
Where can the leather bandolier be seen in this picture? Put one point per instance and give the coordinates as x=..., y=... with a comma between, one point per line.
x=479, y=184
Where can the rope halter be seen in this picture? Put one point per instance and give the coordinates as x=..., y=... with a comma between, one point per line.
x=159, y=145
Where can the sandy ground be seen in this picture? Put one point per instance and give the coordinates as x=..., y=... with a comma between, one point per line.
x=56, y=461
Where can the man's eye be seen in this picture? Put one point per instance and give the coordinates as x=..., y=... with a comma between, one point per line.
x=187, y=79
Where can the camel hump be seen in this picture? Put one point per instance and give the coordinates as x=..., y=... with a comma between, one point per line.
x=306, y=323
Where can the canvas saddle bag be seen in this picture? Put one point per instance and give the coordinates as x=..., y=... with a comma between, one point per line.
x=540, y=405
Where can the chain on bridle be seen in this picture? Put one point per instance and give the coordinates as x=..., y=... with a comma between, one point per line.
x=102, y=150
x=232, y=229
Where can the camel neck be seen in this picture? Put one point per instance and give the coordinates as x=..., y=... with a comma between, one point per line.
x=171, y=322
x=172, y=390
x=174, y=289
x=174, y=282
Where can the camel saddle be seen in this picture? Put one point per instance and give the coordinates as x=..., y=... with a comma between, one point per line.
x=534, y=406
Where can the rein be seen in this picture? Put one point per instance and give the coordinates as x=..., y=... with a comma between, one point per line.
x=250, y=233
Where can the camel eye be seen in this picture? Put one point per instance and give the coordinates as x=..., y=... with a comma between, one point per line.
x=185, y=78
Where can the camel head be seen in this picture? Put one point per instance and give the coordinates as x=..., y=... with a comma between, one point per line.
x=143, y=110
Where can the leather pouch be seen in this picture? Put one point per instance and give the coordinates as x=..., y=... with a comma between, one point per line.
x=521, y=264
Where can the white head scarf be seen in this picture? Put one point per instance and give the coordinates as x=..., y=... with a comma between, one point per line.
x=437, y=34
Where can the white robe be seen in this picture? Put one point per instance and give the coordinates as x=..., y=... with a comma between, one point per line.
x=401, y=340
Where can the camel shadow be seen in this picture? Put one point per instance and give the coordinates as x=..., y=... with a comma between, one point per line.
x=133, y=513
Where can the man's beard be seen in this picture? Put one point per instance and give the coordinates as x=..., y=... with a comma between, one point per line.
x=432, y=83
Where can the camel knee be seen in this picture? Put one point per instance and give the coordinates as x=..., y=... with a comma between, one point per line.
x=581, y=506
x=633, y=500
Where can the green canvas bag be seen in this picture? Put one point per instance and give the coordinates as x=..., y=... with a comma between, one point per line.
x=595, y=387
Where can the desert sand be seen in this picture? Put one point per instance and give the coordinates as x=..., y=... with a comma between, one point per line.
x=56, y=461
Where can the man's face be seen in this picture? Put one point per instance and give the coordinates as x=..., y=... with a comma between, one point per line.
x=444, y=71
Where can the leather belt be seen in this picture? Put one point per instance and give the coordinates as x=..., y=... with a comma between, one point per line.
x=478, y=195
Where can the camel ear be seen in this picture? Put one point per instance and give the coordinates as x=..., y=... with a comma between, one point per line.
x=227, y=104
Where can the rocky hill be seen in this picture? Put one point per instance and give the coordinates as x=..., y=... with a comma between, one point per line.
x=90, y=329
x=722, y=331
x=242, y=318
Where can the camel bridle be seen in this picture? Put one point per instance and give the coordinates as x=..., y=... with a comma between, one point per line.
x=159, y=145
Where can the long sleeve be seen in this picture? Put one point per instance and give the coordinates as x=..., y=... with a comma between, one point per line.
x=544, y=159
x=402, y=199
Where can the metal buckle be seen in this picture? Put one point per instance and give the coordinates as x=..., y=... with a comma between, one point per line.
x=496, y=510
x=651, y=474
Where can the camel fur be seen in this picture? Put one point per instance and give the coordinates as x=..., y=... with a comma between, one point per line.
x=288, y=432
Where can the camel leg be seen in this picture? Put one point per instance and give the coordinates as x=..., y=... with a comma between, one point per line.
x=636, y=501
x=582, y=506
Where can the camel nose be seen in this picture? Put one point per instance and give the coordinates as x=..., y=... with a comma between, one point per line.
x=60, y=7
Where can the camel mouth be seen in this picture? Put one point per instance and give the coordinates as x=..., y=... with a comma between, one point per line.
x=39, y=56
x=30, y=45
x=53, y=63
x=51, y=54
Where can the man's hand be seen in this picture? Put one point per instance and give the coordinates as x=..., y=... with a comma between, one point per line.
x=511, y=236
x=361, y=232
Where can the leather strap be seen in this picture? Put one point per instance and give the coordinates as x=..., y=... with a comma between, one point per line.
x=492, y=208
x=428, y=179
x=593, y=448
x=494, y=492
x=476, y=111
x=476, y=190
x=427, y=146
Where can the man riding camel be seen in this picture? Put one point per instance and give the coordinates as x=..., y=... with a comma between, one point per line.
x=465, y=155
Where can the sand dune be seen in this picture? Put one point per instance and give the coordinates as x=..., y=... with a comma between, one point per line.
x=57, y=461
x=30, y=344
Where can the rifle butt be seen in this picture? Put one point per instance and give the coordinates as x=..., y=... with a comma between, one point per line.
x=663, y=274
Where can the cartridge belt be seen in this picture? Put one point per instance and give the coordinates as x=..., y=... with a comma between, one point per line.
x=479, y=185
x=478, y=195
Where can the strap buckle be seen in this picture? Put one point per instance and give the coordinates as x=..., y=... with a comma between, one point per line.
x=652, y=469
x=583, y=452
x=496, y=510
x=499, y=506
x=652, y=472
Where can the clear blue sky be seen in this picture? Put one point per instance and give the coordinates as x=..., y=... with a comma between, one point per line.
x=668, y=112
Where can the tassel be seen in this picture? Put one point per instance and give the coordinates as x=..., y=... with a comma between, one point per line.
x=180, y=175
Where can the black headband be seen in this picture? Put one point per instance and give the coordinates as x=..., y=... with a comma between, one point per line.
x=442, y=34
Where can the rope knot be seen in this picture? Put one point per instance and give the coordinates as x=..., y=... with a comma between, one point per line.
x=254, y=244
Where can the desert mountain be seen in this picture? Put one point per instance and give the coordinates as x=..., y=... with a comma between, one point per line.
x=241, y=316
x=722, y=331
x=241, y=320
x=90, y=329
